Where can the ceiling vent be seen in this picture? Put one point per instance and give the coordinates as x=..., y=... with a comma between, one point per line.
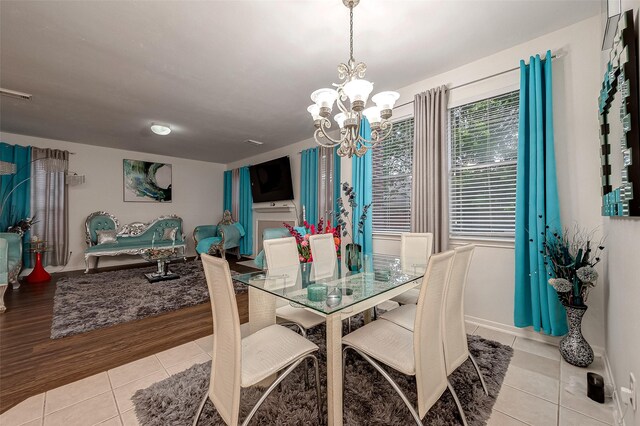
x=253, y=142
x=15, y=94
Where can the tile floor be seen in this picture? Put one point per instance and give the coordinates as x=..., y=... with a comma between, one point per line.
x=533, y=392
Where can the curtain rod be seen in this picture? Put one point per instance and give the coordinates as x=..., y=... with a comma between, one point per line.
x=554, y=56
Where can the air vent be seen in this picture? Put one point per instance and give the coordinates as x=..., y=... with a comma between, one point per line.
x=15, y=94
x=253, y=142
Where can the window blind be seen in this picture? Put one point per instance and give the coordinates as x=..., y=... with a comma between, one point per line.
x=483, y=147
x=392, y=162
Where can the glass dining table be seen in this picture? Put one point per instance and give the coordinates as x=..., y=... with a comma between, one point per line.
x=330, y=290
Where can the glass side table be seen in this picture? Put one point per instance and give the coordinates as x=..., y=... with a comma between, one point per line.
x=38, y=275
x=161, y=256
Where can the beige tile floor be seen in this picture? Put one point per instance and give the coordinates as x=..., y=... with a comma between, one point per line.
x=533, y=392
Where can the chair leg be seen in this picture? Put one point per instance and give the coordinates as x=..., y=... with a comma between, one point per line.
x=393, y=384
x=201, y=407
x=455, y=398
x=318, y=393
x=475, y=365
x=266, y=393
x=306, y=361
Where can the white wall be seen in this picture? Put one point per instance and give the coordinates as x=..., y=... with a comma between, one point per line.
x=197, y=192
x=576, y=82
x=623, y=291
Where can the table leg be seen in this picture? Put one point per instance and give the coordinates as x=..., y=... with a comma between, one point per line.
x=334, y=370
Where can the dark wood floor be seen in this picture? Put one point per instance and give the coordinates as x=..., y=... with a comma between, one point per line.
x=31, y=362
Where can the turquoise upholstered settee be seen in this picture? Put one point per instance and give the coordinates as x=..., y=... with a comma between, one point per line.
x=133, y=238
x=10, y=262
x=217, y=239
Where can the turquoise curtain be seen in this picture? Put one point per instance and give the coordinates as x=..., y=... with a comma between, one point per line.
x=337, y=184
x=17, y=206
x=245, y=217
x=227, y=191
x=309, y=184
x=361, y=176
x=537, y=206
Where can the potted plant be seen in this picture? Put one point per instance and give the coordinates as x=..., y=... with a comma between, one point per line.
x=346, y=221
x=571, y=258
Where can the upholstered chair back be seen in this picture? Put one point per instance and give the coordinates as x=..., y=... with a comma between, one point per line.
x=431, y=376
x=325, y=258
x=415, y=251
x=99, y=221
x=224, y=386
x=456, y=350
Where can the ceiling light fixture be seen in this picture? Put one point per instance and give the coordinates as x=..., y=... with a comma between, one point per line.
x=160, y=129
x=357, y=90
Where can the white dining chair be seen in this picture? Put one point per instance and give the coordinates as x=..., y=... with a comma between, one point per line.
x=415, y=251
x=282, y=254
x=454, y=336
x=242, y=362
x=325, y=258
x=419, y=353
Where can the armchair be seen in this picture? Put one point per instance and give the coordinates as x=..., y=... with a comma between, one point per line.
x=217, y=239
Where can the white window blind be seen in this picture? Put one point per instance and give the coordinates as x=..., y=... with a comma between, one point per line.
x=392, y=160
x=483, y=146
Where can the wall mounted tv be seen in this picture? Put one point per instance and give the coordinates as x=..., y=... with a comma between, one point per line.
x=271, y=181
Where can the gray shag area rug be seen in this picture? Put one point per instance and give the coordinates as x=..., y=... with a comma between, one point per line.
x=369, y=399
x=93, y=301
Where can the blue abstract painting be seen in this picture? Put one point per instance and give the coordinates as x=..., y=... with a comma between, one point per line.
x=147, y=181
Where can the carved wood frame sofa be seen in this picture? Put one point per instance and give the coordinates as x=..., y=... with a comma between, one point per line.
x=133, y=238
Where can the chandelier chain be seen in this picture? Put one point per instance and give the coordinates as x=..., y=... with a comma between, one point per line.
x=351, y=33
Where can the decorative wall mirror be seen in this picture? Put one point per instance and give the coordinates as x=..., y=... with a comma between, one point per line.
x=619, y=128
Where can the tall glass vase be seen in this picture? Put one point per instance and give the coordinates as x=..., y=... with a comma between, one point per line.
x=573, y=347
x=354, y=257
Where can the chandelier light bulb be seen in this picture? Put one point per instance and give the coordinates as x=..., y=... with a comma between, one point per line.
x=373, y=116
x=385, y=100
x=324, y=99
x=160, y=129
x=340, y=118
x=358, y=91
x=314, y=110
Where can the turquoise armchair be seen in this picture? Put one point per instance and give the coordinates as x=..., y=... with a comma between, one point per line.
x=217, y=239
x=10, y=262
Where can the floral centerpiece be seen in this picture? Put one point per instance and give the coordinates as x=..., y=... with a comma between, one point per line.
x=347, y=222
x=304, y=251
x=571, y=258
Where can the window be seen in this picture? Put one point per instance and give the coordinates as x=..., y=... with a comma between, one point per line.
x=483, y=147
x=392, y=160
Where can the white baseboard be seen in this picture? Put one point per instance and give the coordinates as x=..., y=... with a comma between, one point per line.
x=527, y=333
x=610, y=379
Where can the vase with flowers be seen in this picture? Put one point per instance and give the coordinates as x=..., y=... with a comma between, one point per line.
x=571, y=257
x=302, y=240
x=346, y=221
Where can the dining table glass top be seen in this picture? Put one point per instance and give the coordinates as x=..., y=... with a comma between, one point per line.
x=330, y=287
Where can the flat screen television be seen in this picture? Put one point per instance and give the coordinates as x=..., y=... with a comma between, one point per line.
x=271, y=181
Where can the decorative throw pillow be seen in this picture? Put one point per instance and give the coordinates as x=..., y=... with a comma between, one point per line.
x=106, y=236
x=169, y=234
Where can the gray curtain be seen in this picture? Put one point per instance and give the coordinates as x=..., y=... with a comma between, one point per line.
x=326, y=171
x=50, y=202
x=430, y=193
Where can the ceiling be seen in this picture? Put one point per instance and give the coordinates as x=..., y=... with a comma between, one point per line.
x=222, y=72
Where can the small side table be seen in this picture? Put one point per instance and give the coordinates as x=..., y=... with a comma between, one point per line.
x=38, y=275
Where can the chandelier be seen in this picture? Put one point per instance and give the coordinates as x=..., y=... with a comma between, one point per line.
x=355, y=89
